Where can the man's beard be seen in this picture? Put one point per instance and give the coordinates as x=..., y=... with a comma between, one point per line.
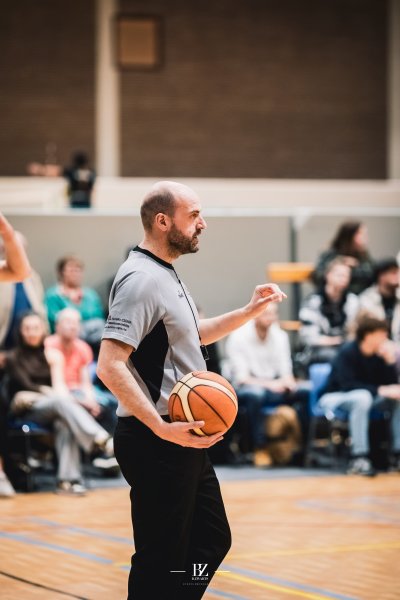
x=179, y=243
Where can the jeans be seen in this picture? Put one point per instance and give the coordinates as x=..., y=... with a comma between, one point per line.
x=358, y=404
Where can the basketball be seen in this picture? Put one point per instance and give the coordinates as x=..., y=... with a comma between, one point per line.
x=204, y=396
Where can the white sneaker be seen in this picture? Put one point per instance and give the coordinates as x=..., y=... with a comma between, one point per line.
x=6, y=489
x=360, y=465
x=102, y=462
x=70, y=488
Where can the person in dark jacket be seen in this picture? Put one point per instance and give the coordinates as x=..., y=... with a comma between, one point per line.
x=364, y=374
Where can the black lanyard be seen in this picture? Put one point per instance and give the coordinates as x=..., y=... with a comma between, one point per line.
x=203, y=348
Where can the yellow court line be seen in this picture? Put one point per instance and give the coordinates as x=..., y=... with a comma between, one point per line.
x=327, y=550
x=271, y=586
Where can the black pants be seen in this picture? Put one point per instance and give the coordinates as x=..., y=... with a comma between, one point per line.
x=178, y=515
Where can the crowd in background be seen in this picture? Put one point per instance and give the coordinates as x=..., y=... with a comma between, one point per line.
x=49, y=342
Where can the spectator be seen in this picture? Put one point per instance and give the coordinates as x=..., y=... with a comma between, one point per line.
x=327, y=314
x=364, y=374
x=13, y=268
x=258, y=356
x=79, y=175
x=78, y=357
x=81, y=179
x=17, y=297
x=350, y=242
x=382, y=300
x=69, y=293
x=38, y=391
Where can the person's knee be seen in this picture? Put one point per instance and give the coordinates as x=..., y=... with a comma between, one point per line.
x=363, y=400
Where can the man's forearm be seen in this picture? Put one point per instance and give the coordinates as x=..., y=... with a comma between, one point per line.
x=123, y=386
x=215, y=328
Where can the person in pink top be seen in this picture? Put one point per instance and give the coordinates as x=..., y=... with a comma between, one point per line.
x=78, y=358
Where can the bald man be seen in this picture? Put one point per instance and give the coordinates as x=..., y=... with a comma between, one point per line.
x=152, y=338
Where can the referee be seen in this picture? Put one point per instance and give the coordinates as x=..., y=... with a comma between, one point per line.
x=152, y=338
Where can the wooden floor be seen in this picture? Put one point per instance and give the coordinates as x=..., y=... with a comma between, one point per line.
x=317, y=538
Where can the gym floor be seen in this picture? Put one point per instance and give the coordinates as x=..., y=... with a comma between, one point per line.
x=297, y=534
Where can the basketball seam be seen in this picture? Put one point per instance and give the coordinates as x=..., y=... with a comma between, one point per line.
x=208, y=404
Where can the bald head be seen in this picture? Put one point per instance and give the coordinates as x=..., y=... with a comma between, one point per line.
x=163, y=198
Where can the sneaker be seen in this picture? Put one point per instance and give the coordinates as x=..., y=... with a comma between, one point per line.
x=6, y=489
x=70, y=488
x=105, y=462
x=360, y=465
x=262, y=458
x=104, y=445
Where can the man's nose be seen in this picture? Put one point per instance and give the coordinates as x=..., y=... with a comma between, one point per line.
x=202, y=223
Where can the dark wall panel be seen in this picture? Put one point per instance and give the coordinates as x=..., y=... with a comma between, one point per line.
x=260, y=88
x=47, y=80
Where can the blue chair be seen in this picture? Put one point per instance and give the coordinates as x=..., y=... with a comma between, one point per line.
x=335, y=422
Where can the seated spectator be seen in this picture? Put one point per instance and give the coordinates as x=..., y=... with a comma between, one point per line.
x=259, y=359
x=350, y=242
x=364, y=375
x=78, y=356
x=69, y=293
x=13, y=268
x=17, y=297
x=382, y=300
x=327, y=314
x=37, y=390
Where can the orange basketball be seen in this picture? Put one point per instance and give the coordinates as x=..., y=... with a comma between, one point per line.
x=204, y=396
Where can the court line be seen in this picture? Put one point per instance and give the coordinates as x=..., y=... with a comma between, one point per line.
x=41, y=586
x=254, y=577
x=287, y=587
x=16, y=537
x=83, y=530
x=214, y=592
x=326, y=507
x=325, y=550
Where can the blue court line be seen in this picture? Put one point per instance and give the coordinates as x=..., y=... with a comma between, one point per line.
x=83, y=530
x=362, y=514
x=28, y=540
x=89, y=556
x=225, y=594
x=289, y=584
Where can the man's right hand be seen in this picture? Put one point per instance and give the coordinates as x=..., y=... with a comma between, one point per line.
x=180, y=433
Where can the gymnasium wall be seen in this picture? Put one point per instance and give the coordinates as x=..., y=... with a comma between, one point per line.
x=260, y=88
x=234, y=250
x=248, y=88
x=47, y=81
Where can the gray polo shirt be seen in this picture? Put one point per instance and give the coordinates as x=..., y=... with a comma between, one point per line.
x=152, y=311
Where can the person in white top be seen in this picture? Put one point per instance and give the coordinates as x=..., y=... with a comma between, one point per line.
x=259, y=360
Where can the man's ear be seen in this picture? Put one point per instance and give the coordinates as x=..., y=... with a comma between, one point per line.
x=162, y=221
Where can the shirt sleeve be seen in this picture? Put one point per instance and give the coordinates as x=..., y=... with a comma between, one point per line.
x=135, y=309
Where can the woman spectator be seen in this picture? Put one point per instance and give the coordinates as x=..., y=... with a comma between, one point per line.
x=327, y=315
x=350, y=243
x=69, y=293
x=38, y=391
